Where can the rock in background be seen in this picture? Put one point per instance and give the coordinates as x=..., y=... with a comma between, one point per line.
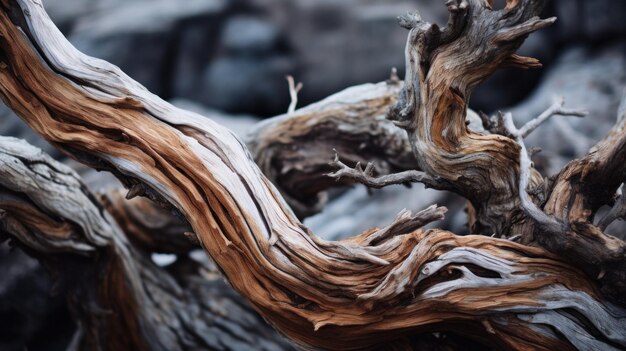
x=233, y=55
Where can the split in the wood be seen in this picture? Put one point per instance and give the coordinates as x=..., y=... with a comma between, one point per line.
x=618, y=211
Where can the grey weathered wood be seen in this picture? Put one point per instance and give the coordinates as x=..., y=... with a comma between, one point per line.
x=350, y=294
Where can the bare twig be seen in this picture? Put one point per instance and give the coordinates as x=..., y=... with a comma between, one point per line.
x=294, y=89
x=406, y=222
x=496, y=124
x=556, y=109
x=525, y=163
x=366, y=176
x=525, y=166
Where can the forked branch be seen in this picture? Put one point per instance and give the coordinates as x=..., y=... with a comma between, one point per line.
x=293, y=150
x=443, y=68
x=557, y=109
x=367, y=178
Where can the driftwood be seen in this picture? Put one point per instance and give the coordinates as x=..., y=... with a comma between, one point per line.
x=294, y=150
x=182, y=306
x=384, y=286
x=121, y=299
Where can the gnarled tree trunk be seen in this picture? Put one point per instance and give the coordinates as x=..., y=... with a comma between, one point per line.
x=379, y=288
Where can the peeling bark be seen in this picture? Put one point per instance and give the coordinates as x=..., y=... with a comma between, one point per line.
x=376, y=289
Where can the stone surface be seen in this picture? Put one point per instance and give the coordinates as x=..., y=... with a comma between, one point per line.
x=233, y=55
x=591, y=21
x=143, y=37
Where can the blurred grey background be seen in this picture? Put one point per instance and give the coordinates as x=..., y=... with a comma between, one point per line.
x=228, y=58
x=232, y=55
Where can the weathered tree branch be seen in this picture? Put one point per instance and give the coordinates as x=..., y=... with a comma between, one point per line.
x=354, y=294
x=485, y=168
x=294, y=150
x=578, y=191
x=443, y=67
x=122, y=300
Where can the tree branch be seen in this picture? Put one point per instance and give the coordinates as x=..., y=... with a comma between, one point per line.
x=148, y=226
x=514, y=33
x=293, y=93
x=333, y=295
x=293, y=150
x=556, y=109
x=366, y=176
x=578, y=191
